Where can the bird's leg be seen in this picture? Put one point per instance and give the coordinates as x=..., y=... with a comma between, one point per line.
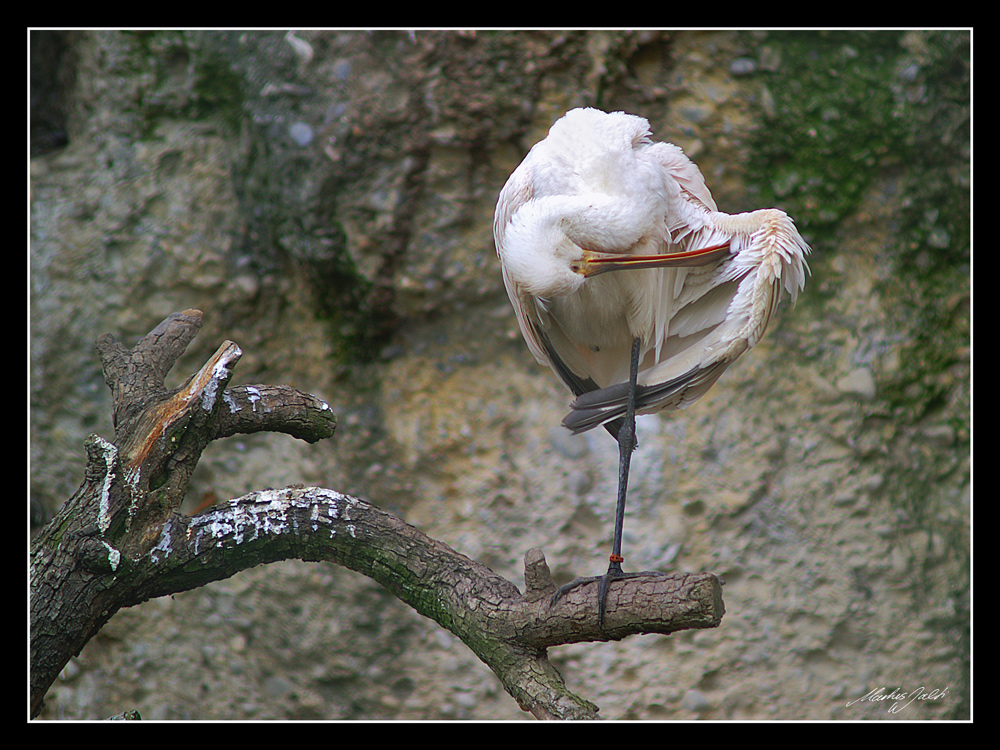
x=626, y=444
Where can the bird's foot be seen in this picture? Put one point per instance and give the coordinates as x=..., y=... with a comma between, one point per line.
x=615, y=573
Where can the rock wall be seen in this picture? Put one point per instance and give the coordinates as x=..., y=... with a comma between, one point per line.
x=326, y=199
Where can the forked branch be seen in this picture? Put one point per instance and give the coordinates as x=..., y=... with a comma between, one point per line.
x=120, y=539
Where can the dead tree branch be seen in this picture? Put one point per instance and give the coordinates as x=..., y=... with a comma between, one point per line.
x=120, y=541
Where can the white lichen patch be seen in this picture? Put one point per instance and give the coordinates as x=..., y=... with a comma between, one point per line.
x=132, y=477
x=333, y=511
x=230, y=402
x=114, y=556
x=212, y=386
x=267, y=512
x=110, y=453
x=254, y=396
x=162, y=548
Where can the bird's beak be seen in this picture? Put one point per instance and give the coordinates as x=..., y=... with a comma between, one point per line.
x=593, y=263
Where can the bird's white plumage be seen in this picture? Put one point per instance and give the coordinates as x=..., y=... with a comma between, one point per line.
x=598, y=184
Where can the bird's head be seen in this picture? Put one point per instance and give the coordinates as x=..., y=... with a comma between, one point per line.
x=537, y=253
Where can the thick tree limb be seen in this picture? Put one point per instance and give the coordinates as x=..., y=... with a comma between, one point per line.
x=120, y=541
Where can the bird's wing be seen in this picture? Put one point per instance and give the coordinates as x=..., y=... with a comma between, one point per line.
x=707, y=336
x=609, y=404
x=684, y=171
x=704, y=341
x=720, y=312
x=517, y=191
x=580, y=385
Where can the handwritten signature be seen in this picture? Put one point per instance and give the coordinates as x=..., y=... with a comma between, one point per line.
x=901, y=699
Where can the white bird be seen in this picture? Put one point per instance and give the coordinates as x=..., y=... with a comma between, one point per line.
x=695, y=288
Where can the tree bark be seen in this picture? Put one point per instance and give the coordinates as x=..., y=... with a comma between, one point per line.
x=120, y=539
